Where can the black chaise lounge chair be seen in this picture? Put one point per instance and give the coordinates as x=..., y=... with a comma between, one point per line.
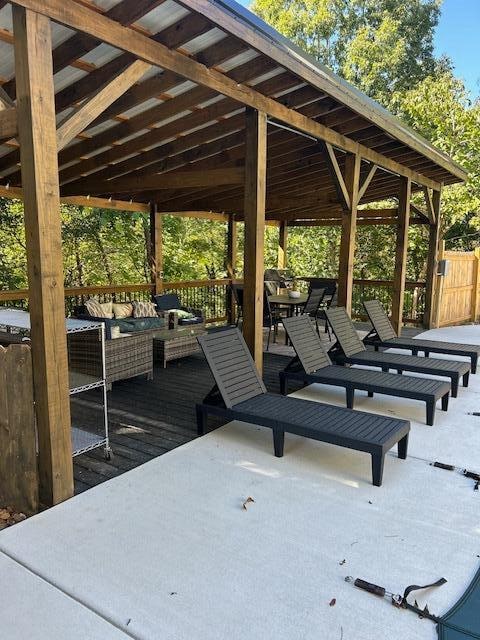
x=383, y=335
x=239, y=394
x=349, y=349
x=313, y=365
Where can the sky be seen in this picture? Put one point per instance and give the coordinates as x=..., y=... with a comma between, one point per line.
x=457, y=36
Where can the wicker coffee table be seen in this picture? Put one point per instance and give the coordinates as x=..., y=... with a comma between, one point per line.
x=173, y=344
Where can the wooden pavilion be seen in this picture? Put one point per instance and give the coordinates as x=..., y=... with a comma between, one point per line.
x=188, y=106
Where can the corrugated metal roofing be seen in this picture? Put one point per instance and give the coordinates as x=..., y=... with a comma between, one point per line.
x=202, y=124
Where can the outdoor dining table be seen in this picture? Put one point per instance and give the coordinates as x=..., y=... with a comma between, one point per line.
x=292, y=304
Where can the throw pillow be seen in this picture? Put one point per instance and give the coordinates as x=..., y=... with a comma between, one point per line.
x=122, y=310
x=94, y=308
x=144, y=309
x=107, y=308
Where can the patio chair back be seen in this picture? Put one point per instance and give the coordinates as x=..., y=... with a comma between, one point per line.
x=314, y=300
x=306, y=342
x=344, y=331
x=379, y=319
x=232, y=366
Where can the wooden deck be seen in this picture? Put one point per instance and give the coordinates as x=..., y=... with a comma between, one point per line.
x=150, y=418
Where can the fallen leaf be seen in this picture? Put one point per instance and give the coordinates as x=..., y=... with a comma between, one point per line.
x=342, y=562
x=244, y=504
x=333, y=602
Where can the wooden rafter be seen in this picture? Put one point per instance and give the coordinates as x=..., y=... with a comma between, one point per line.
x=87, y=113
x=176, y=180
x=111, y=32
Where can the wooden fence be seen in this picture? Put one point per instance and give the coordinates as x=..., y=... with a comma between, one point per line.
x=18, y=458
x=458, y=292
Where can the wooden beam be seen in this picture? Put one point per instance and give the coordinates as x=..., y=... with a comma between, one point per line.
x=16, y=193
x=336, y=174
x=366, y=182
x=202, y=215
x=349, y=225
x=174, y=180
x=231, y=264
x=8, y=123
x=254, y=213
x=37, y=135
x=429, y=203
x=282, y=244
x=401, y=250
x=94, y=106
x=156, y=248
x=83, y=19
x=432, y=261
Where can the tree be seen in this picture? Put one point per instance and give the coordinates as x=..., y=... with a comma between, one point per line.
x=381, y=46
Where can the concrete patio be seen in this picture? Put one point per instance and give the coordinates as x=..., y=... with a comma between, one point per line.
x=167, y=551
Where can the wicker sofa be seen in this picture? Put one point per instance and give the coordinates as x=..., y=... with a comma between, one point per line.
x=126, y=356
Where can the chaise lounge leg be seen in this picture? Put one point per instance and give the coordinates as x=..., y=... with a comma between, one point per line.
x=377, y=468
x=350, y=394
x=403, y=447
x=278, y=442
x=430, y=412
x=454, y=386
x=466, y=376
x=370, y=394
x=201, y=419
x=445, y=402
x=283, y=383
x=474, y=364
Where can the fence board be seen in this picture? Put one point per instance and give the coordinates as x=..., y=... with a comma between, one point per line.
x=18, y=462
x=458, y=291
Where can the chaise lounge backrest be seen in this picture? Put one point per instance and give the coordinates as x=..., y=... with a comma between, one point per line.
x=344, y=331
x=232, y=366
x=379, y=319
x=307, y=344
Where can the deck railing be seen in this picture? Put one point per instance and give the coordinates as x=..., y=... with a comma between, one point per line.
x=209, y=295
x=212, y=296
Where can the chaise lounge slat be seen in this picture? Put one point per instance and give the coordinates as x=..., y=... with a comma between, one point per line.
x=313, y=365
x=244, y=397
x=384, y=335
x=349, y=349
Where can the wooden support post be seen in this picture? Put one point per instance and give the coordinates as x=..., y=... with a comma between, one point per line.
x=254, y=214
x=282, y=244
x=401, y=253
x=156, y=248
x=231, y=264
x=476, y=285
x=432, y=260
x=38, y=153
x=349, y=225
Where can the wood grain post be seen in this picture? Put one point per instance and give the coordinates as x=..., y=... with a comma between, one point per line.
x=282, y=244
x=349, y=226
x=476, y=285
x=231, y=264
x=38, y=154
x=18, y=466
x=156, y=248
x=254, y=213
x=401, y=249
x=432, y=261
